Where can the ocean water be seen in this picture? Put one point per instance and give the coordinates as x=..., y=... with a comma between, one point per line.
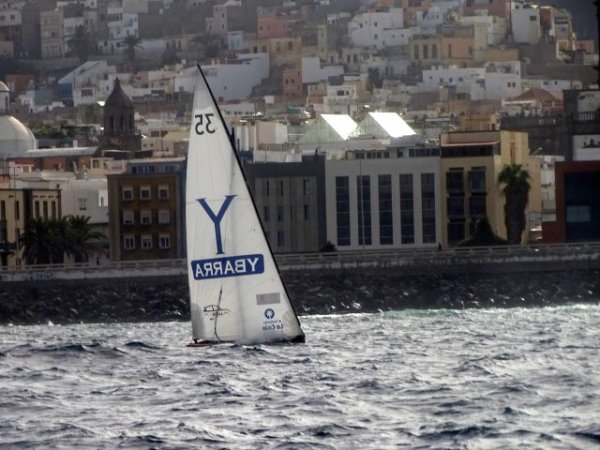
x=474, y=379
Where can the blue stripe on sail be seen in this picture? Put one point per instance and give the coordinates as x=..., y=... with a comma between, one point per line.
x=233, y=266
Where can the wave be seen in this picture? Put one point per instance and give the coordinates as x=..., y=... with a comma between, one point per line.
x=142, y=345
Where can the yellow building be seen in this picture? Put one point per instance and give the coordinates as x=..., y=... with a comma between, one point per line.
x=470, y=165
x=17, y=208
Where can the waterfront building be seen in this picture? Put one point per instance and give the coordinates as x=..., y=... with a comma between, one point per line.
x=290, y=199
x=384, y=198
x=147, y=209
x=469, y=167
x=577, y=203
x=17, y=208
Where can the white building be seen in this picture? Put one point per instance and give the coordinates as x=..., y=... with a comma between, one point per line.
x=314, y=72
x=379, y=29
x=525, y=23
x=450, y=76
x=84, y=84
x=228, y=82
x=383, y=202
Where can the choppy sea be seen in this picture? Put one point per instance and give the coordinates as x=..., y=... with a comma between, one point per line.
x=474, y=379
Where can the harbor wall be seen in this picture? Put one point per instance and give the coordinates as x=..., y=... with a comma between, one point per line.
x=358, y=288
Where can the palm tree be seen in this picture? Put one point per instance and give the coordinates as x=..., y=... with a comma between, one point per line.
x=47, y=241
x=41, y=242
x=516, y=190
x=83, y=240
x=131, y=42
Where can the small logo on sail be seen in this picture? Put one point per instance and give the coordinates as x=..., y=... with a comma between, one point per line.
x=214, y=311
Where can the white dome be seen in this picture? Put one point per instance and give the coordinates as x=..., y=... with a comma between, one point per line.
x=15, y=137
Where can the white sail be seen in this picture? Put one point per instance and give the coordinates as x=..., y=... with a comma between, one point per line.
x=236, y=293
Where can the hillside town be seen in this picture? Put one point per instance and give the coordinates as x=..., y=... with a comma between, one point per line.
x=362, y=125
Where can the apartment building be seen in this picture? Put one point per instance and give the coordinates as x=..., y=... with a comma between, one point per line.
x=470, y=163
x=147, y=210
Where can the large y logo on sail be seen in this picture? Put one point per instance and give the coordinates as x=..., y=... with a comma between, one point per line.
x=216, y=218
x=232, y=266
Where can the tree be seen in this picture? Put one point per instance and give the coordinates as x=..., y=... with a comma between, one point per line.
x=81, y=44
x=82, y=239
x=516, y=192
x=47, y=241
x=42, y=243
x=131, y=42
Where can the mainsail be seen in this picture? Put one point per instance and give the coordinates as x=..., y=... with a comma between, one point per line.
x=236, y=292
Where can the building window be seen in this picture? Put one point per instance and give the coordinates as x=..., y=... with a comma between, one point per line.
x=306, y=214
x=128, y=217
x=342, y=204
x=280, y=239
x=477, y=206
x=279, y=213
x=45, y=208
x=127, y=193
x=386, y=222
x=579, y=214
x=163, y=192
x=164, y=216
x=266, y=213
x=364, y=209
x=17, y=211
x=2, y=210
x=267, y=188
x=456, y=206
x=53, y=209
x=145, y=193
x=129, y=242
x=164, y=241
x=407, y=214
x=428, y=207
x=145, y=217
x=146, y=241
x=82, y=203
x=476, y=179
x=454, y=181
x=281, y=187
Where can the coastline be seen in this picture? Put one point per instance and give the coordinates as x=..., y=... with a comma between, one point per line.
x=312, y=292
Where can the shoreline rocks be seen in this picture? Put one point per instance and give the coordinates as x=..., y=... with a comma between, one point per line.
x=312, y=292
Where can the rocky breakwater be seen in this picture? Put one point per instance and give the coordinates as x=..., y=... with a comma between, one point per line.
x=313, y=292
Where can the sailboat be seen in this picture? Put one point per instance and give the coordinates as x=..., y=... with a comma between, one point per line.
x=236, y=291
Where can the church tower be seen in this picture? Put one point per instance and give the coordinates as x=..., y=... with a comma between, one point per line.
x=119, y=125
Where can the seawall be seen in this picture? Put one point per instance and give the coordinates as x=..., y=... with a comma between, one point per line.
x=359, y=288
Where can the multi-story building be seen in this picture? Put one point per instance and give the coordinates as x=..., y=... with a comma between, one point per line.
x=51, y=33
x=11, y=27
x=577, y=203
x=383, y=199
x=147, y=210
x=470, y=165
x=17, y=208
x=290, y=200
